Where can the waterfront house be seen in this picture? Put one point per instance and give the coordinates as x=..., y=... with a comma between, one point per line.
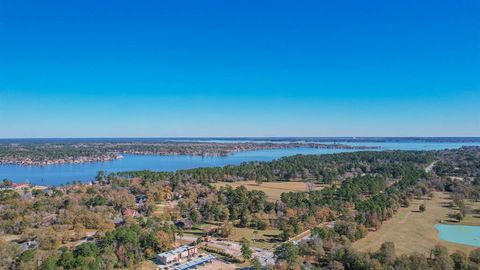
x=19, y=186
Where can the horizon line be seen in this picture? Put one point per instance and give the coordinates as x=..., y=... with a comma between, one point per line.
x=243, y=137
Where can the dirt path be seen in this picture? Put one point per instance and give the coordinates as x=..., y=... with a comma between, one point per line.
x=429, y=168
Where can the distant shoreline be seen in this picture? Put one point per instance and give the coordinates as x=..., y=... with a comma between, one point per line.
x=345, y=139
x=46, y=154
x=80, y=160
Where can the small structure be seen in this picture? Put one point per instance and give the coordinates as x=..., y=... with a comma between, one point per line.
x=15, y=186
x=177, y=254
x=140, y=200
x=118, y=220
x=19, y=186
x=130, y=212
x=27, y=244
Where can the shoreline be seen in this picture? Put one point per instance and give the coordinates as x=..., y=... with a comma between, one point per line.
x=188, y=149
x=81, y=160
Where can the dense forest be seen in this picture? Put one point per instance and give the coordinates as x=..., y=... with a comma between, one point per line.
x=113, y=223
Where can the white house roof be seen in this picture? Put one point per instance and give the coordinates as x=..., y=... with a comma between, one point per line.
x=174, y=252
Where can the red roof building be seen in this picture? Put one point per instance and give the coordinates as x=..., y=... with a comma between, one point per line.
x=129, y=212
x=20, y=185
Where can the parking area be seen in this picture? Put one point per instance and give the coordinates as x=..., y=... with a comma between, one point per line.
x=195, y=262
x=217, y=265
x=264, y=256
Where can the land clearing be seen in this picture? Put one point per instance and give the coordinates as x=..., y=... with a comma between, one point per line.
x=165, y=207
x=148, y=265
x=265, y=239
x=10, y=237
x=272, y=189
x=414, y=231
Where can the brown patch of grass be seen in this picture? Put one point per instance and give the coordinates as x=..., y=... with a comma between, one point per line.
x=414, y=231
x=10, y=237
x=272, y=189
x=148, y=265
x=265, y=239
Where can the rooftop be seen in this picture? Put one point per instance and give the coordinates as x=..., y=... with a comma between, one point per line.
x=174, y=252
x=196, y=262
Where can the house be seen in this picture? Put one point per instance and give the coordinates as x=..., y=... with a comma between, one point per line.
x=175, y=255
x=15, y=186
x=19, y=186
x=27, y=244
x=207, y=239
x=168, y=257
x=48, y=191
x=118, y=220
x=130, y=212
x=140, y=200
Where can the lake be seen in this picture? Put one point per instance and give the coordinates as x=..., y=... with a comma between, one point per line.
x=467, y=235
x=63, y=173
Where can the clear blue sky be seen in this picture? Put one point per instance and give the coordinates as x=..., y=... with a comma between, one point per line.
x=239, y=68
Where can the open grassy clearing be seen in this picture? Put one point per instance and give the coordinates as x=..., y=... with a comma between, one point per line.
x=9, y=237
x=272, y=189
x=472, y=219
x=414, y=231
x=164, y=207
x=197, y=231
x=265, y=239
x=148, y=265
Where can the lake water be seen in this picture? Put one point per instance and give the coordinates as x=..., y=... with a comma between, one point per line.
x=63, y=173
x=467, y=235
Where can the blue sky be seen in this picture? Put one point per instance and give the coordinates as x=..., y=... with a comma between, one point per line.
x=239, y=68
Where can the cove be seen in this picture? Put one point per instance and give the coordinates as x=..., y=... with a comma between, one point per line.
x=64, y=173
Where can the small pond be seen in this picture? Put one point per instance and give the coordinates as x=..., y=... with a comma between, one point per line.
x=467, y=235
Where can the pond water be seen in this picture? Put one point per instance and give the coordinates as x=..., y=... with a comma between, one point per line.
x=467, y=235
x=63, y=173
